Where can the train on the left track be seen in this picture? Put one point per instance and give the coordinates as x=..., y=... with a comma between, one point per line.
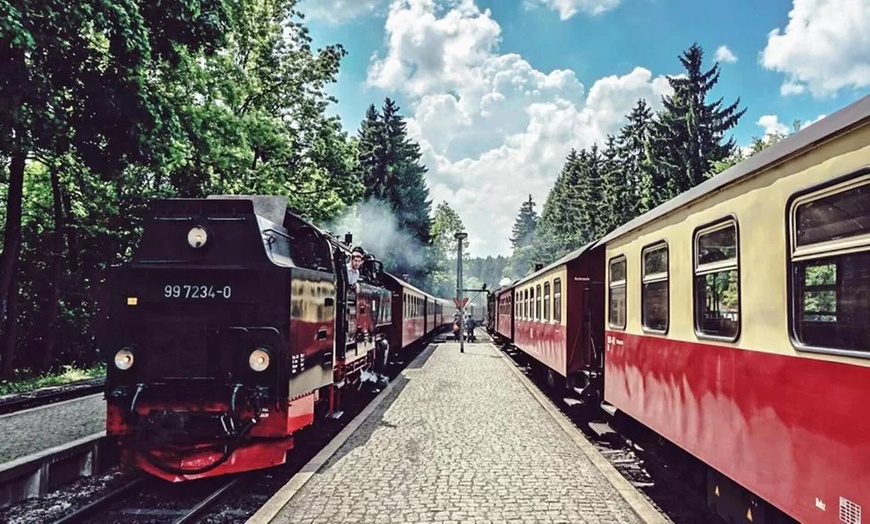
x=234, y=325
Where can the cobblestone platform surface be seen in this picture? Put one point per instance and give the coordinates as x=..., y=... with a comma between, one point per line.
x=458, y=439
x=34, y=430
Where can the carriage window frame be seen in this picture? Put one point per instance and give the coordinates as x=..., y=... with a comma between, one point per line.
x=538, y=300
x=699, y=270
x=611, y=285
x=654, y=278
x=525, y=307
x=819, y=251
x=557, y=300
x=547, y=301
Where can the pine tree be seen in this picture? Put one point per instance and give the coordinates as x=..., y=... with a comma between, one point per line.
x=524, y=228
x=633, y=152
x=406, y=178
x=616, y=204
x=372, y=159
x=393, y=176
x=557, y=228
x=588, y=190
x=688, y=134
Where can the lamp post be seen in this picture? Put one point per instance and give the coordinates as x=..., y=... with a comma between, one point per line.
x=460, y=236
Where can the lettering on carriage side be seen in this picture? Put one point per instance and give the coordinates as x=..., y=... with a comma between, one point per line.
x=819, y=504
x=612, y=341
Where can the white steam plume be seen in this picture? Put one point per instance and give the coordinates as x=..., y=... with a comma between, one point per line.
x=375, y=228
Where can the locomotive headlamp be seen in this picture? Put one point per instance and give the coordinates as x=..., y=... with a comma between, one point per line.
x=124, y=359
x=259, y=359
x=197, y=237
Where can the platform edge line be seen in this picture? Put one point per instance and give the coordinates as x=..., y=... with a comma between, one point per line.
x=52, y=405
x=636, y=501
x=283, y=496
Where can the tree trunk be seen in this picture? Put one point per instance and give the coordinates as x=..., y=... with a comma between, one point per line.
x=54, y=293
x=11, y=245
x=9, y=339
x=71, y=233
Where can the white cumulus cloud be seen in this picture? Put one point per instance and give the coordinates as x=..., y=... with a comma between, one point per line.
x=772, y=125
x=491, y=127
x=723, y=54
x=569, y=8
x=824, y=48
x=338, y=12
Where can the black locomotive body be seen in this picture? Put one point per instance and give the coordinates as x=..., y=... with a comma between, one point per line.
x=231, y=325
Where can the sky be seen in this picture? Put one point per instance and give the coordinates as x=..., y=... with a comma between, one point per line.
x=496, y=92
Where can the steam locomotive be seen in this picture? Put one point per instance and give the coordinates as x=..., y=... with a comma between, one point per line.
x=234, y=326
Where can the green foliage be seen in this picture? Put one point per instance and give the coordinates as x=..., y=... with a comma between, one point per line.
x=445, y=224
x=490, y=270
x=257, y=122
x=113, y=103
x=24, y=382
x=523, y=231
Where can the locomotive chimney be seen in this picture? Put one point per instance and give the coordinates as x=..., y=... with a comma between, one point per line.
x=348, y=238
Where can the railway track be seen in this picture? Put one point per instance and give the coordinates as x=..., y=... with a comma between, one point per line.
x=155, y=501
x=51, y=395
x=121, y=500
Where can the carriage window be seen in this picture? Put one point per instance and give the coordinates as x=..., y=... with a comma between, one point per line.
x=654, y=291
x=717, y=290
x=616, y=313
x=830, y=274
x=521, y=306
x=557, y=300
x=538, y=302
x=529, y=300
x=526, y=309
x=546, y=301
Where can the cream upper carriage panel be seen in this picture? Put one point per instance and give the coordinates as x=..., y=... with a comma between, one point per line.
x=553, y=285
x=758, y=203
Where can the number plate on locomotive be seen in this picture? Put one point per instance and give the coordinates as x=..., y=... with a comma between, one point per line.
x=197, y=291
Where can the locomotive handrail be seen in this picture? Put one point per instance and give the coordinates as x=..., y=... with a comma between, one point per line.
x=285, y=235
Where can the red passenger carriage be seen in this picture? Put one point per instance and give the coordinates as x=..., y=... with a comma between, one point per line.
x=735, y=320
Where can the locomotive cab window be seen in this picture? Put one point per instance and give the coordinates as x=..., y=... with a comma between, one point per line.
x=717, y=286
x=654, y=290
x=830, y=269
x=616, y=296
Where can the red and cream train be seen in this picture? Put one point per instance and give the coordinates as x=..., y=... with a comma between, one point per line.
x=234, y=326
x=734, y=321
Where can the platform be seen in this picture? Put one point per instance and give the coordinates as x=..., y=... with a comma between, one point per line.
x=45, y=427
x=459, y=437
